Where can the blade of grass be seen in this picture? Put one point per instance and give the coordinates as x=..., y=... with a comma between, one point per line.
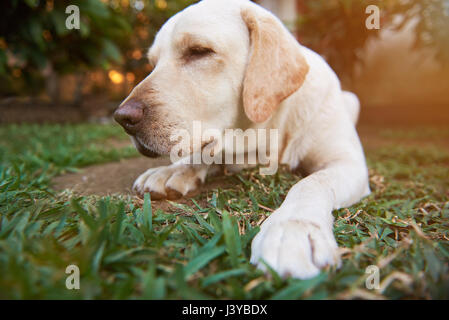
x=147, y=212
x=232, y=238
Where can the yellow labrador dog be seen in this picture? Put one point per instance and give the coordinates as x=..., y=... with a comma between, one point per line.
x=232, y=64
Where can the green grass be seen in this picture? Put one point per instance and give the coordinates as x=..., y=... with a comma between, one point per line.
x=126, y=250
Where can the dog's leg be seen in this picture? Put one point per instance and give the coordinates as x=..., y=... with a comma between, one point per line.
x=171, y=182
x=297, y=239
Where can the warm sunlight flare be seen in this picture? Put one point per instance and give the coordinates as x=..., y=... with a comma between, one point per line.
x=116, y=77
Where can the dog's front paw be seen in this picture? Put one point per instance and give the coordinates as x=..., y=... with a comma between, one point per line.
x=170, y=182
x=296, y=248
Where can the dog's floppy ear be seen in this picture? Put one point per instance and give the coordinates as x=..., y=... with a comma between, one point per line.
x=276, y=67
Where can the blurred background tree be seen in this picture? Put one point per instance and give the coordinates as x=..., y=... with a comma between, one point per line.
x=37, y=45
x=36, y=48
x=335, y=28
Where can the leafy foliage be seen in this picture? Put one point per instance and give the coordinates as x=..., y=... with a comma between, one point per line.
x=34, y=39
x=35, y=36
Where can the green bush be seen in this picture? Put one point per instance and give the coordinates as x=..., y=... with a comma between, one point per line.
x=35, y=43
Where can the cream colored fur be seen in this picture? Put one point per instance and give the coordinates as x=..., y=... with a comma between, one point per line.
x=257, y=77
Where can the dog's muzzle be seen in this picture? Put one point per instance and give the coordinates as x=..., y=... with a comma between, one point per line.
x=144, y=150
x=129, y=115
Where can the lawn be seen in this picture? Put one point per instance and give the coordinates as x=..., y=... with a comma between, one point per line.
x=131, y=249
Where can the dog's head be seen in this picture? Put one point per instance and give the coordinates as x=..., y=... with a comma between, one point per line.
x=224, y=63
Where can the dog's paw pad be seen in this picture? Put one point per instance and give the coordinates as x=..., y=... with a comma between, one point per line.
x=171, y=182
x=294, y=248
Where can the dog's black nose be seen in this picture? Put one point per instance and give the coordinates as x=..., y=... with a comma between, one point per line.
x=129, y=115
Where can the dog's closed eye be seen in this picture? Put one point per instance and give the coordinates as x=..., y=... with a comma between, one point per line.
x=197, y=52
